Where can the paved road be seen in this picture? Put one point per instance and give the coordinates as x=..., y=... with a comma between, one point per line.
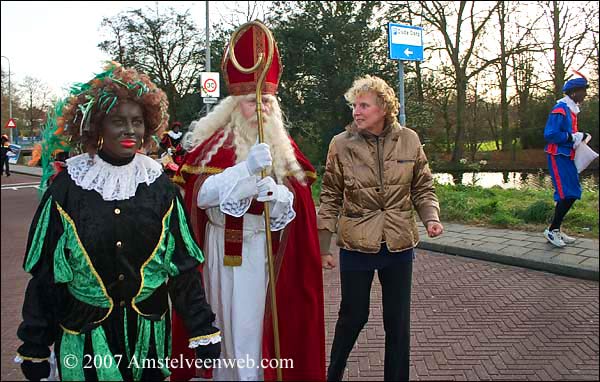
x=471, y=319
x=18, y=207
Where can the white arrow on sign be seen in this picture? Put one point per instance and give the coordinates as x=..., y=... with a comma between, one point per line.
x=408, y=52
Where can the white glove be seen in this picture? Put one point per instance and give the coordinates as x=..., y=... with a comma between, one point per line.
x=267, y=189
x=259, y=158
x=170, y=151
x=578, y=138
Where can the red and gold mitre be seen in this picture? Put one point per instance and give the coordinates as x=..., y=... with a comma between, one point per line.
x=249, y=43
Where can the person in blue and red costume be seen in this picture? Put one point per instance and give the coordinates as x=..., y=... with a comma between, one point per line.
x=110, y=243
x=224, y=194
x=563, y=137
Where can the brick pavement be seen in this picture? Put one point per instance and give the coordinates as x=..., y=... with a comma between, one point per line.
x=17, y=211
x=471, y=319
x=476, y=320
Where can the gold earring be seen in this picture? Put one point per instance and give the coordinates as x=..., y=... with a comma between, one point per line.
x=142, y=145
x=100, y=143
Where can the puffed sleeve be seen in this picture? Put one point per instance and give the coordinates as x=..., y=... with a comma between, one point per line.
x=185, y=284
x=553, y=131
x=332, y=191
x=232, y=190
x=422, y=190
x=39, y=325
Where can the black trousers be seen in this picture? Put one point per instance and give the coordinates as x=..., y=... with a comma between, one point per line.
x=4, y=165
x=396, y=281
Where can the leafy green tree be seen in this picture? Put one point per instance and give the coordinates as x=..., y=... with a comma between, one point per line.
x=324, y=47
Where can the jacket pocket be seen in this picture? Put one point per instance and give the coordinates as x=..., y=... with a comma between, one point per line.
x=350, y=232
x=399, y=171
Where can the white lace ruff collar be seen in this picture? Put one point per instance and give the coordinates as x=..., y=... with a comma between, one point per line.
x=174, y=135
x=570, y=103
x=112, y=182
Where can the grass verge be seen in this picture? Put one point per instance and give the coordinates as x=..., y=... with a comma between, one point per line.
x=526, y=209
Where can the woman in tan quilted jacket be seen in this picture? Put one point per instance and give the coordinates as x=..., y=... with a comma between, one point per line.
x=375, y=178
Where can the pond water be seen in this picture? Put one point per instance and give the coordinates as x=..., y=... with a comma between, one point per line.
x=518, y=180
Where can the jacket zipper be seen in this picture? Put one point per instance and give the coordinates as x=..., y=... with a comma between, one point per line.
x=380, y=166
x=379, y=163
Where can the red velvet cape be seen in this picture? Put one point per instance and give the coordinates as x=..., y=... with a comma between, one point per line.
x=299, y=279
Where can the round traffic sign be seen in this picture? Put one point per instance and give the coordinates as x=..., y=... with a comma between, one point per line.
x=210, y=85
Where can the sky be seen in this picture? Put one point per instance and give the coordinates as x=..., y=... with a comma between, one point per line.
x=56, y=41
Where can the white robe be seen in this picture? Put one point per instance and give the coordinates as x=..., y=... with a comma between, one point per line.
x=237, y=294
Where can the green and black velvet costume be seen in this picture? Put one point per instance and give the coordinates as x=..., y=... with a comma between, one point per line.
x=103, y=272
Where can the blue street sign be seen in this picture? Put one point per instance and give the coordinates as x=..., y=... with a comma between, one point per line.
x=405, y=42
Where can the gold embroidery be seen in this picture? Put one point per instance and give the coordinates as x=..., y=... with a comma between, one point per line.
x=69, y=331
x=89, y=261
x=234, y=235
x=162, y=235
x=232, y=261
x=31, y=358
x=206, y=336
x=178, y=179
x=200, y=169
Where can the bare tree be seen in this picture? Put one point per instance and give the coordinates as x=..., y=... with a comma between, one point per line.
x=468, y=27
x=117, y=28
x=168, y=47
x=240, y=12
x=512, y=44
x=440, y=93
x=37, y=95
x=569, y=24
x=502, y=19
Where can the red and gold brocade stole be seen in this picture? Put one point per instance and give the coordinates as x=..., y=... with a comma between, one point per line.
x=234, y=236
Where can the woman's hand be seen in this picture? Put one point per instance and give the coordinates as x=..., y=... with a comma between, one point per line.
x=434, y=229
x=327, y=261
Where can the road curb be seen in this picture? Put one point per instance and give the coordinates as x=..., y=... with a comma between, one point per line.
x=560, y=269
x=22, y=172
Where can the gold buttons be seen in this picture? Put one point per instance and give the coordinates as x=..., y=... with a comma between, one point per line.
x=121, y=277
x=117, y=211
x=119, y=244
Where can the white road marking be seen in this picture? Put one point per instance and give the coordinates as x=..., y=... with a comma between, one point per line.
x=20, y=184
x=15, y=188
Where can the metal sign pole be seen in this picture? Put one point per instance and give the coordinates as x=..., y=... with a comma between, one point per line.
x=9, y=99
x=401, y=92
x=405, y=43
x=207, y=50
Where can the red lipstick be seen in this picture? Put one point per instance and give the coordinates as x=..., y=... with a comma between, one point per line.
x=128, y=143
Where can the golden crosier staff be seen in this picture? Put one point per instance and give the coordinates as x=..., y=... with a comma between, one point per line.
x=261, y=139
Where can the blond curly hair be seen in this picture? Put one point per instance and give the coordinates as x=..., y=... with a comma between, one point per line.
x=385, y=95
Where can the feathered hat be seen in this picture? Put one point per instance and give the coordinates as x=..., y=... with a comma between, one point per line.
x=576, y=83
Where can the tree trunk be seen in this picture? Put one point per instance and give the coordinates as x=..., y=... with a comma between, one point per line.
x=420, y=97
x=559, y=65
x=461, y=97
x=503, y=80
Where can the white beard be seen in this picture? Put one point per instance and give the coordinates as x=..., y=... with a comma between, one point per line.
x=245, y=134
x=227, y=116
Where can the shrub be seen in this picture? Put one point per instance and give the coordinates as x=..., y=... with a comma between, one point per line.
x=503, y=219
x=488, y=208
x=538, y=212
